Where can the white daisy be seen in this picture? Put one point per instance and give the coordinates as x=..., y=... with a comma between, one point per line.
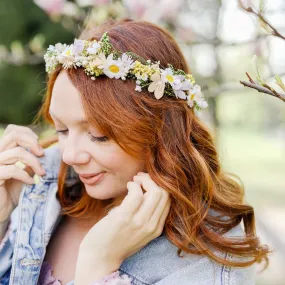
x=114, y=68
x=167, y=75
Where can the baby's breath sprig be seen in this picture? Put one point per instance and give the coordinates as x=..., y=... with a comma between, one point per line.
x=106, y=46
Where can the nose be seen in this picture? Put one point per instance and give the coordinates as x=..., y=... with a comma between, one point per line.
x=73, y=153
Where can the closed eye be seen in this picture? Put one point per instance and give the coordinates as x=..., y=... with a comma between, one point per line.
x=93, y=138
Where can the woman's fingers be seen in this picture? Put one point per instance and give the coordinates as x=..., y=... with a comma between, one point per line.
x=152, y=198
x=144, y=211
x=160, y=209
x=132, y=201
x=12, y=171
x=162, y=219
x=11, y=156
x=20, y=129
x=14, y=139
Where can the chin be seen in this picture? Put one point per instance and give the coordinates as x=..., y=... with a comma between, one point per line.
x=104, y=192
x=97, y=192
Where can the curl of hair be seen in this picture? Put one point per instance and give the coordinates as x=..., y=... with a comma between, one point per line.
x=178, y=149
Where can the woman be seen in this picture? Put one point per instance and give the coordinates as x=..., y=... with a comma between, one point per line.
x=122, y=103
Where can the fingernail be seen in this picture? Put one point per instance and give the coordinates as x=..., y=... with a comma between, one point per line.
x=37, y=179
x=20, y=164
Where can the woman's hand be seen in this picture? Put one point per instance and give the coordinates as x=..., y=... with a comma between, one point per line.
x=125, y=230
x=12, y=150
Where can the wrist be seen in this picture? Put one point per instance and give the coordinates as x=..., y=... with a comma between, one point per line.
x=92, y=266
x=90, y=252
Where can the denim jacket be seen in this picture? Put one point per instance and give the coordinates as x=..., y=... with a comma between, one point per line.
x=38, y=213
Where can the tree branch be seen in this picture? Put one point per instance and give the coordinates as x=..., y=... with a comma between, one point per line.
x=264, y=89
x=249, y=9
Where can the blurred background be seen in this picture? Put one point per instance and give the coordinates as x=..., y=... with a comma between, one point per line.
x=219, y=40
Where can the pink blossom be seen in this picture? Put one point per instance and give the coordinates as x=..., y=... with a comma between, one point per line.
x=52, y=7
x=154, y=10
x=83, y=3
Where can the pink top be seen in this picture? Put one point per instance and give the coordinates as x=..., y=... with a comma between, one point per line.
x=114, y=278
x=46, y=277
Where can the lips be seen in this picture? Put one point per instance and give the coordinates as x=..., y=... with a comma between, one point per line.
x=89, y=175
x=92, y=179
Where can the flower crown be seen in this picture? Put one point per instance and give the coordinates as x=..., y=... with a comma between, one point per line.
x=101, y=58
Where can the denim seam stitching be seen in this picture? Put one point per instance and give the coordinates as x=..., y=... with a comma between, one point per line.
x=12, y=275
x=226, y=271
x=133, y=277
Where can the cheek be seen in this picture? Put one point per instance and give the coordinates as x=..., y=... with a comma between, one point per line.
x=117, y=161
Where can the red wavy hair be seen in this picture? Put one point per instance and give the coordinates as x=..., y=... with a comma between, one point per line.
x=179, y=150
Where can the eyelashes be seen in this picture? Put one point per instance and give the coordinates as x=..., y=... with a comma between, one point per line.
x=98, y=139
x=92, y=138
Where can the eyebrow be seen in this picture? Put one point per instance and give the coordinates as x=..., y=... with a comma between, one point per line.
x=78, y=121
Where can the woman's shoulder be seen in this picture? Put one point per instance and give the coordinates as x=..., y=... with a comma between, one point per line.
x=158, y=263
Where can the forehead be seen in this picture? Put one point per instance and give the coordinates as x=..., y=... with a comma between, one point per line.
x=65, y=101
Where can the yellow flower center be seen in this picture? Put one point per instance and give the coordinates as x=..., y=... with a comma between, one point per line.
x=114, y=68
x=192, y=96
x=68, y=52
x=170, y=78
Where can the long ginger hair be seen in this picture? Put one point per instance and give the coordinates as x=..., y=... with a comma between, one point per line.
x=178, y=148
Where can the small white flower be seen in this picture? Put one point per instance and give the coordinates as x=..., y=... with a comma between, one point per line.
x=144, y=77
x=138, y=88
x=127, y=62
x=180, y=86
x=157, y=86
x=66, y=58
x=192, y=95
x=60, y=47
x=138, y=76
x=93, y=49
x=98, y=62
x=202, y=104
x=195, y=95
x=51, y=48
x=114, y=68
x=78, y=47
x=126, y=59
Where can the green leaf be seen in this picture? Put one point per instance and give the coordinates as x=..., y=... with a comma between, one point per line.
x=255, y=67
x=280, y=82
